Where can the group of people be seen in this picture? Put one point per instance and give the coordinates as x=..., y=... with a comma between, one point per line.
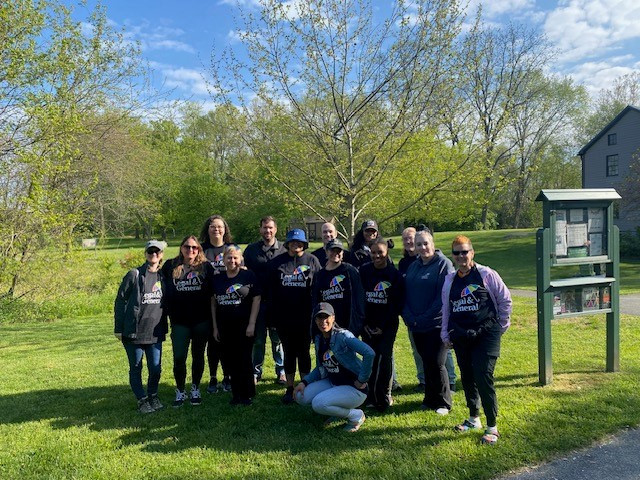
x=346, y=302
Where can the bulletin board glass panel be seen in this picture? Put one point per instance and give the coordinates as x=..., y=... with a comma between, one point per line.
x=580, y=234
x=572, y=301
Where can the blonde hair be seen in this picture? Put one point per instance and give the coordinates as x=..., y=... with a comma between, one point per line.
x=232, y=248
x=408, y=230
x=426, y=233
x=461, y=240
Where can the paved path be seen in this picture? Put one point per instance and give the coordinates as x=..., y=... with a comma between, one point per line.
x=629, y=304
x=617, y=457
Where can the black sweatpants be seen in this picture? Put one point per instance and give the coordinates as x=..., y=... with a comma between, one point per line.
x=477, y=362
x=295, y=343
x=236, y=349
x=181, y=337
x=436, y=379
x=382, y=372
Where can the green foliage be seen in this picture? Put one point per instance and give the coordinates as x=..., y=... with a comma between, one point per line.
x=54, y=79
x=630, y=244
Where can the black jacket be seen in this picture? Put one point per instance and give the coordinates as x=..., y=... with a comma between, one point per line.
x=127, y=305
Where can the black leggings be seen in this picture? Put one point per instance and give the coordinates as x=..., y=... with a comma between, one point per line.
x=295, y=343
x=382, y=371
x=436, y=379
x=181, y=336
x=236, y=350
x=215, y=357
x=476, y=371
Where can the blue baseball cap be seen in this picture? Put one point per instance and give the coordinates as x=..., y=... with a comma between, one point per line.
x=298, y=235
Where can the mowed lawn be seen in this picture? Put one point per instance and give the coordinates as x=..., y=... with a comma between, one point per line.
x=66, y=410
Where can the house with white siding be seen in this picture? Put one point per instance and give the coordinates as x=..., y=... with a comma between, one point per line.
x=606, y=160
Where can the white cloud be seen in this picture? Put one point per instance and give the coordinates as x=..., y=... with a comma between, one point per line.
x=494, y=8
x=155, y=37
x=596, y=76
x=240, y=3
x=170, y=45
x=235, y=36
x=187, y=80
x=584, y=29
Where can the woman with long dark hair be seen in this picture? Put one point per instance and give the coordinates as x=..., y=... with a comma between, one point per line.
x=362, y=241
x=188, y=278
x=215, y=236
x=338, y=384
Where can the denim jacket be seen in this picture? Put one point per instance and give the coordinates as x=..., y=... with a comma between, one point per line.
x=344, y=346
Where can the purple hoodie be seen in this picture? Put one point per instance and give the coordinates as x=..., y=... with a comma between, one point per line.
x=498, y=292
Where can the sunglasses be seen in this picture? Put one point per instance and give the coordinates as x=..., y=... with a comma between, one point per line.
x=460, y=252
x=190, y=247
x=153, y=251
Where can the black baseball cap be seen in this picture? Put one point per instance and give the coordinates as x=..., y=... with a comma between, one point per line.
x=323, y=307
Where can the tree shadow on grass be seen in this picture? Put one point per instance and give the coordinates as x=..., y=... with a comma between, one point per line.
x=267, y=425
x=398, y=436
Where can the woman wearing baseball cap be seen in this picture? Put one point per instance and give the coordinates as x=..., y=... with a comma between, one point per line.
x=140, y=322
x=289, y=295
x=338, y=384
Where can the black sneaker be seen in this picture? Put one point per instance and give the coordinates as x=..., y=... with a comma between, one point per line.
x=226, y=385
x=155, y=402
x=213, y=385
x=287, y=398
x=419, y=388
x=396, y=387
x=144, y=406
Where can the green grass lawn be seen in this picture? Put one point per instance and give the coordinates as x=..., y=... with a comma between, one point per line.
x=66, y=411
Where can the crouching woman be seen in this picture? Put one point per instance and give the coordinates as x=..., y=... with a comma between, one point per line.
x=338, y=384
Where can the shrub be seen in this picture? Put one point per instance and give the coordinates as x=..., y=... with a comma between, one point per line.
x=630, y=244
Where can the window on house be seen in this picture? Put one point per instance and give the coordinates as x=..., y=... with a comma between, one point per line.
x=612, y=165
x=612, y=139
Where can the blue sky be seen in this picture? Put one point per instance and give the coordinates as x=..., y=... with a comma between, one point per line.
x=597, y=40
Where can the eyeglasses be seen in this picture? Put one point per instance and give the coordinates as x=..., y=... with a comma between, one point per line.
x=190, y=247
x=460, y=252
x=153, y=251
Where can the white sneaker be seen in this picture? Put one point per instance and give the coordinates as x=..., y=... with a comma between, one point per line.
x=194, y=395
x=181, y=396
x=442, y=411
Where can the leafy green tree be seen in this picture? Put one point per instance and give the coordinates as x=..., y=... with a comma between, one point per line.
x=54, y=78
x=336, y=96
x=498, y=80
x=609, y=103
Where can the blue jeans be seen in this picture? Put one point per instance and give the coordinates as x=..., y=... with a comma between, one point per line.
x=260, y=343
x=336, y=401
x=135, y=352
x=418, y=360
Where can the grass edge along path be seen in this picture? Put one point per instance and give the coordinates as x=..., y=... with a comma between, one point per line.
x=66, y=411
